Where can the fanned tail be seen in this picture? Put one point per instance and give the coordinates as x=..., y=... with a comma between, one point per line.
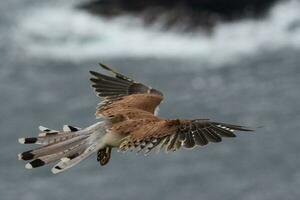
x=69, y=146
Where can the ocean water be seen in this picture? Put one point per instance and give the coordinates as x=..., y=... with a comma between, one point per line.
x=246, y=72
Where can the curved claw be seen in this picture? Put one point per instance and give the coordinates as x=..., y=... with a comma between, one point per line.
x=103, y=156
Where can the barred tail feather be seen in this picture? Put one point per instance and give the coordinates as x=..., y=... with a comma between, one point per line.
x=52, y=149
x=68, y=162
x=47, y=159
x=48, y=136
x=69, y=146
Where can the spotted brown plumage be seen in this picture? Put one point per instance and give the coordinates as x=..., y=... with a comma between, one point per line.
x=127, y=122
x=174, y=134
x=134, y=104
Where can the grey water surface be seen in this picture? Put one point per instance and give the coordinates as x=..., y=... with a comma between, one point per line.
x=259, y=90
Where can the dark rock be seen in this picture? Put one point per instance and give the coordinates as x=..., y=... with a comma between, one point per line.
x=192, y=13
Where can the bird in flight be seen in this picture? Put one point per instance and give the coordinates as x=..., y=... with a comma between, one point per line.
x=127, y=121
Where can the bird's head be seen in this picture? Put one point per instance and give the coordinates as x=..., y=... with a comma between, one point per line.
x=156, y=92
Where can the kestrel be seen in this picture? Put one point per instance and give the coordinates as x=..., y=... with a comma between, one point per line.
x=127, y=121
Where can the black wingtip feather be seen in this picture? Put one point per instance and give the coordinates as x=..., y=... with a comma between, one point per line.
x=235, y=127
x=27, y=155
x=31, y=140
x=37, y=163
x=105, y=67
x=73, y=129
x=58, y=167
x=116, y=74
x=109, y=79
x=94, y=80
x=94, y=73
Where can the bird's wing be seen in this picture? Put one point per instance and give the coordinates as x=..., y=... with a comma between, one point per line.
x=121, y=92
x=173, y=134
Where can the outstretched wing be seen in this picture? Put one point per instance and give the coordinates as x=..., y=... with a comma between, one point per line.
x=120, y=92
x=173, y=134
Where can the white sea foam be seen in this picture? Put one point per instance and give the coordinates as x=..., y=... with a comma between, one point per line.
x=63, y=32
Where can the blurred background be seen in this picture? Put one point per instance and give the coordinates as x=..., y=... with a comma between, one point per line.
x=231, y=61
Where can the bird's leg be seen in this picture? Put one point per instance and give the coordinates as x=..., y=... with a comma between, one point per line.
x=103, y=155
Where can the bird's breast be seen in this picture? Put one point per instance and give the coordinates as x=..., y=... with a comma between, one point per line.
x=112, y=139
